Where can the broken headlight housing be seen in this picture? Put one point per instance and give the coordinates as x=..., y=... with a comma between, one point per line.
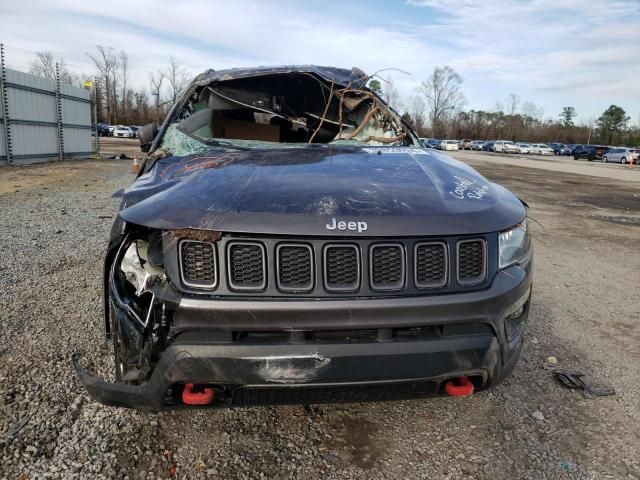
x=515, y=245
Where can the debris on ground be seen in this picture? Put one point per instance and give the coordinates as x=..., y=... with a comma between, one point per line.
x=573, y=379
x=120, y=156
x=538, y=415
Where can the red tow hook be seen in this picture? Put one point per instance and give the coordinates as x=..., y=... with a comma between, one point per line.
x=459, y=387
x=189, y=397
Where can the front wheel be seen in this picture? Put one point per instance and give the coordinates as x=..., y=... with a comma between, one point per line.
x=623, y=160
x=605, y=159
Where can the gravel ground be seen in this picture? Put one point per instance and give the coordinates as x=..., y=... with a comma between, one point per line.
x=55, y=223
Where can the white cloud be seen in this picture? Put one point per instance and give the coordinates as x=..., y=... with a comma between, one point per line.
x=533, y=47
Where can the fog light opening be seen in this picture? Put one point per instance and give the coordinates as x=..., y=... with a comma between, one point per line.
x=514, y=323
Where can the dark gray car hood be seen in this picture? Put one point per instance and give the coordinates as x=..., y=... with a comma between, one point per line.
x=397, y=191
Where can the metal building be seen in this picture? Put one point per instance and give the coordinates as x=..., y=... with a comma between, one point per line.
x=42, y=119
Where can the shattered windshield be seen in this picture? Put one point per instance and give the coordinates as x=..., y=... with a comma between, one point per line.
x=282, y=111
x=178, y=143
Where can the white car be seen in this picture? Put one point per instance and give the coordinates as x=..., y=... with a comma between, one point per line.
x=121, y=131
x=541, y=149
x=622, y=155
x=477, y=144
x=523, y=147
x=449, y=145
x=505, y=146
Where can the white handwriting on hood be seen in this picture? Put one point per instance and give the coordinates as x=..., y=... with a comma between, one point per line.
x=468, y=189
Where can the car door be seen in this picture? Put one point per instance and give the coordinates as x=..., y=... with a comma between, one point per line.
x=623, y=153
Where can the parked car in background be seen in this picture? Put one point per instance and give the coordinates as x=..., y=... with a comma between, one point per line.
x=465, y=144
x=122, y=131
x=103, y=129
x=560, y=149
x=135, y=129
x=523, y=147
x=505, y=146
x=488, y=146
x=621, y=155
x=590, y=152
x=541, y=149
x=429, y=142
x=449, y=145
x=575, y=146
x=477, y=144
x=111, y=129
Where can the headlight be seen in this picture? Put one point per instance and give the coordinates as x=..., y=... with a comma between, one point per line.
x=515, y=245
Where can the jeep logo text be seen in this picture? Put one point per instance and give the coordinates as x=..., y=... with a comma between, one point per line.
x=353, y=226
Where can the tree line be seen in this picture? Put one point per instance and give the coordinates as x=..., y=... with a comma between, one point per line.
x=436, y=109
x=117, y=101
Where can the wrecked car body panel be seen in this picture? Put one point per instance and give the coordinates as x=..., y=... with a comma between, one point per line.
x=298, y=192
x=288, y=240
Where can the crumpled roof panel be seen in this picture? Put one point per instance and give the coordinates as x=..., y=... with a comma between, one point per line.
x=355, y=77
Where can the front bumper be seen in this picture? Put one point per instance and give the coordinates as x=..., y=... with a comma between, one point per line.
x=470, y=340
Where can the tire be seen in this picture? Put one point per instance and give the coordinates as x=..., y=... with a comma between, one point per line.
x=605, y=159
x=623, y=160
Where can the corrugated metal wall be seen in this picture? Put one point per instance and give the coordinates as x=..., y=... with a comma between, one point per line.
x=42, y=119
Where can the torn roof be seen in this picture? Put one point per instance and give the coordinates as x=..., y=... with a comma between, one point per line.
x=354, y=78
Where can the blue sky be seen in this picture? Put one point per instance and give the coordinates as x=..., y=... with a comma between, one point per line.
x=550, y=52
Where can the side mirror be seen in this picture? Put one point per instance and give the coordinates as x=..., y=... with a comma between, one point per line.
x=146, y=135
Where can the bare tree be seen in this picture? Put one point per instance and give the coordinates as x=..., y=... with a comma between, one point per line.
x=417, y=108
x=391, y=95
x=178, y=79
x=45, y=66
x=443, y=94
x=513, y=101
x=106, y=64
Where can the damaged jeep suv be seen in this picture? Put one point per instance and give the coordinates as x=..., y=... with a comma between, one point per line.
x=289, y=240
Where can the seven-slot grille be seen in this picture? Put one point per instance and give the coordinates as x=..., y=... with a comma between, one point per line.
x=430, y=264
x=295, y=267
x=198, y=261
x=386, y=264
x=341, y=267
x=247, y=267
x=471, y=261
